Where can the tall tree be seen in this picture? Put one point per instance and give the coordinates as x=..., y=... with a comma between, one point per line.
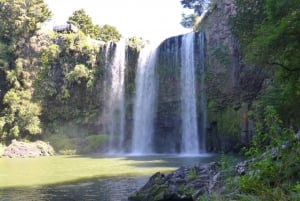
x=84, y=22
x=20, y=19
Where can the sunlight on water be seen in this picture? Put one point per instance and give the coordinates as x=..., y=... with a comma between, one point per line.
x=60, y=169
x=84, y=177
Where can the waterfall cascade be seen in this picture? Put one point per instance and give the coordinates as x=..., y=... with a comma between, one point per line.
x=190, y=142
x=169, y=103
x=203, y=99
x=144, y=104
x=114, y=111
x=193, y=121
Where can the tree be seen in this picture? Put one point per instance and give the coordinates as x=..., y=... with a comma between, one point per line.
x=268, y=32
x=198, y=7
x=20, y=20
x=109, y=33
x=84, y=22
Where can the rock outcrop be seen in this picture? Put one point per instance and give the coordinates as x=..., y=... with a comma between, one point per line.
x=231, y=85
x=28, y=150
x=184, y=184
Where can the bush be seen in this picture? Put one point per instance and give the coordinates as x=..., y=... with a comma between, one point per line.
x=275, y=167
x=94, y=143
x=63, y=144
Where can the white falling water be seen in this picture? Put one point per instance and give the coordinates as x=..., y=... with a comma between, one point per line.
x=114, y=111
x=203, y=100
x=144, y=104
x=190, y=142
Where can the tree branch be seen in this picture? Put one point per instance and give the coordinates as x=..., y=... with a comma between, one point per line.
x=284, y=67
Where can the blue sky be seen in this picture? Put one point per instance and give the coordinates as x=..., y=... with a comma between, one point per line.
x=150, y=19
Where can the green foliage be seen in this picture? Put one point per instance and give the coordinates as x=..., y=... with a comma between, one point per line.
x=84, y=22
x=94, y=143
x=199, y=7
x=21, y=18
x=70, y=69
x=268, y=32
x=188, y=20
x=275, y=169
x=67, y=144
x=192, y=174
x=223, y=116
x=109, y=33
x=185, y=190
x=79, y=73
x=20, y=117
x=63, y=144
x=136, y=43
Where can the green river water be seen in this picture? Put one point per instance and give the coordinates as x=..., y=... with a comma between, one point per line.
x=84, y=177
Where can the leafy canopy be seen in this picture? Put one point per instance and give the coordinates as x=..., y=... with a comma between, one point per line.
x=84, y=22
x=268, y=32
x=20, y=20
x=198, y=7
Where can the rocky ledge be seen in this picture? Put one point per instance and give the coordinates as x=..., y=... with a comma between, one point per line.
x=28, y=150
x=184, y=184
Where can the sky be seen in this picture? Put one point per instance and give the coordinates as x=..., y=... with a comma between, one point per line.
x=150, y=19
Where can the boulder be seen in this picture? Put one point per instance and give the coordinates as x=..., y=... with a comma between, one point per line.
x=184, y=184
x=28, y=150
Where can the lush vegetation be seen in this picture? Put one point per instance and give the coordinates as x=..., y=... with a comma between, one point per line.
x=268, y=33
x=198, y=7
x=84, y=22
x=48, y=79
x=19, y=115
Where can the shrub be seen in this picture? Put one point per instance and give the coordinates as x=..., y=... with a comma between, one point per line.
x=94, y=142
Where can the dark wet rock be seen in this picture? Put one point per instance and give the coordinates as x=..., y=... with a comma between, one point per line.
x=184, y=184
x=28, y=150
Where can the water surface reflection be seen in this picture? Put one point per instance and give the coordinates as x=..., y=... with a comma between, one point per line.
x=112, y=188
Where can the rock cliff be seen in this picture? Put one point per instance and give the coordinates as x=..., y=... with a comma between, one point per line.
x=231, y=85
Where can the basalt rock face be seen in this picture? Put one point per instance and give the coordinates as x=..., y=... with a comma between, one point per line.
x=184, y=184
x=230, y=84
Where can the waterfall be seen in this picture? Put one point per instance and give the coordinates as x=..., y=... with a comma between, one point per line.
x=144, y=102
x=169, y=103
x=114, y=108
x=190, y=140
x=203, y=100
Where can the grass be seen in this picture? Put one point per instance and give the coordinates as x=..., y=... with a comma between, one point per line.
x=63, y=169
